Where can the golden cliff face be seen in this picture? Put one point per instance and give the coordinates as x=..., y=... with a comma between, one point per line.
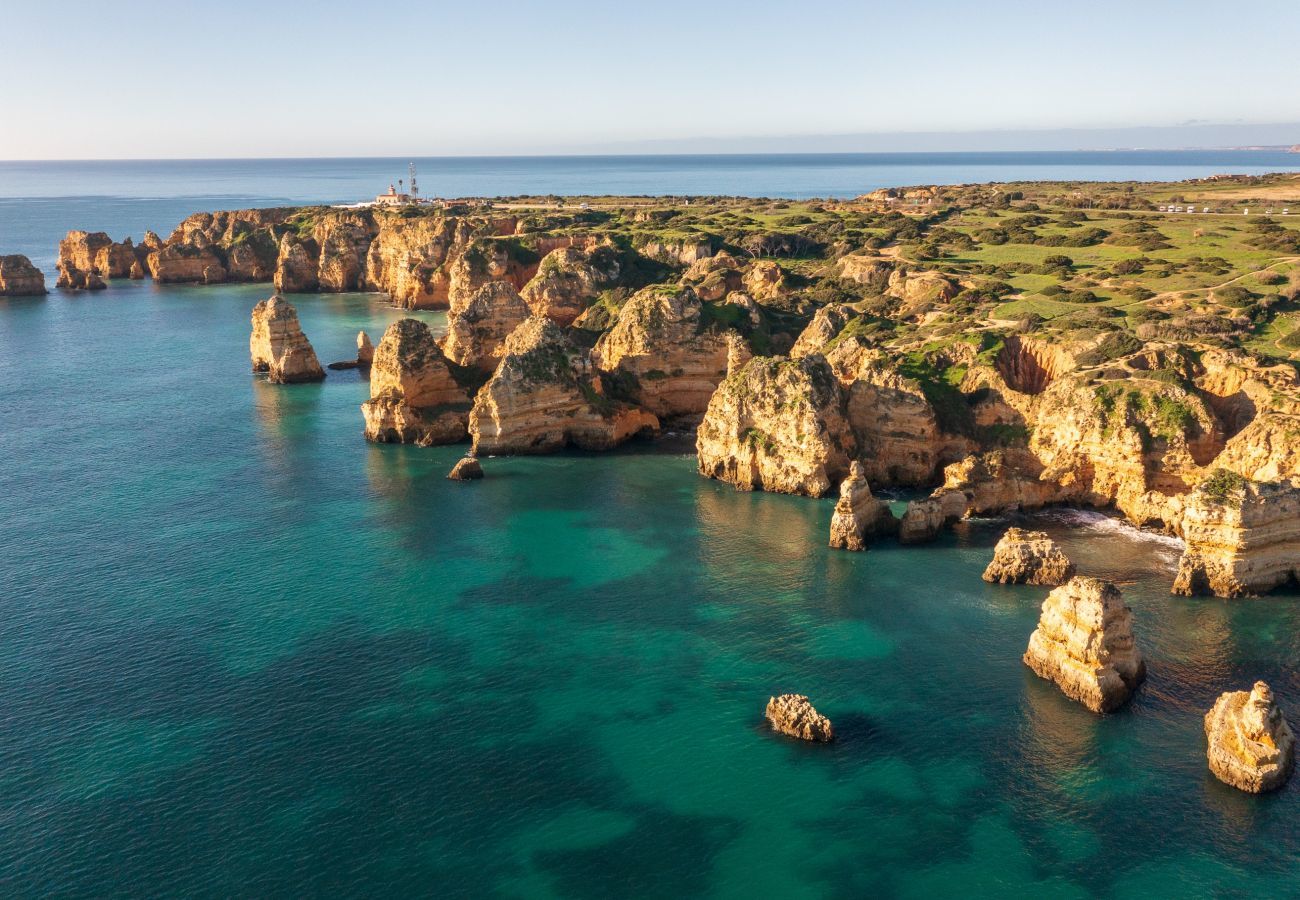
x=278, y=346
x=87, y=258
x=1084, y=643
x=477, y=331
x=19, y=278
x=568, y=280
x=777, y=425
x=544, y=396
x=1250, y=744
x=1242, y=537
x=414, y=397
x=664, y=345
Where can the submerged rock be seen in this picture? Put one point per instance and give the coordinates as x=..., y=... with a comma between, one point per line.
x=467, y=469
x=19, y=278
x=858, y=515
x=1084, y=643
x=1028, y=557
x=414, y=397
x=1251, y=745
x=794, y=715
x=278, y=346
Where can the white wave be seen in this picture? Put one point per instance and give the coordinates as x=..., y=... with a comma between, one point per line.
x=1091, y=520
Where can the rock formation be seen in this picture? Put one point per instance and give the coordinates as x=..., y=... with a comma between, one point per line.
x=664, y=347
x=467, y=469
x=1084, y=643
x=1242, y=537
x=826, y=323
x=1028, y=557
x=414, y=397
x=543, y=397
x=87, y=258
x=19, y=278
x=365, y=350
x=1251, y=745
x=477, y=330
x=777, y=425
x=278, y=346
x=794, y=715
x=858, y=515
x=568, y=280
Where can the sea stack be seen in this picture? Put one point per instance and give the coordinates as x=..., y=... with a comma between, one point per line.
x=1084, y=643
x=19, y=278
x=365, y=350
x=794, y=715
x=1028, y=557
x=859, y=515
x=468, y=469
x=414, y=398
x=278, y=346
x=1251, y=745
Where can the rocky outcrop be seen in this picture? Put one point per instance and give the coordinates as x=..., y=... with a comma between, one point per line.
x=918, y=291
x=297, y=266
x=477, y=331
x=188, y=264
x=486, y=260
x=467, y=469
x=1084, y=643
x=765, y=280
x=667, y=352
x=19, y=278
x=1028, y=557
x=825, y=325
x=365, y=350
x=1242, y=537
x=278, y=346
x=86, y=258
x=794, y=715
x=414, y=396
x=858, y=515
x=1251, y=745
x=924, y=519
x=870, y=270
x=568, y=280
x=544, y=396
x=777, y=425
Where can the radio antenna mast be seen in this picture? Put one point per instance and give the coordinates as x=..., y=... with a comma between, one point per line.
x=415, y=190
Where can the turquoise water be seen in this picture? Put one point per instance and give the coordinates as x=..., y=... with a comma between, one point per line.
x=245, y=653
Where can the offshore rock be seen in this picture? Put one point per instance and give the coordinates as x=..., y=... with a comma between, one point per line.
x=662, y=346
x=543, y=397
x=1242, y=537
x=1251, y=745
x=1084, y=643
x=467, y=469
x=365, y=350
x=794, y=715
x=278, y=346
x=924, y=519
x=858, y=515
x=777, y=425
x=19, y=278
x=83, y=253
x=1028, y=557
x=414, y=397
x=477, y=331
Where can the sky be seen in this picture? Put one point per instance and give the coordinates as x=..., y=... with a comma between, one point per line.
x=233, y=78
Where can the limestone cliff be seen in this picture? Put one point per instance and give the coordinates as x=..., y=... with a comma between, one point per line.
x=414, y=396
x=85, y=257
x=568, y=280
x=1242, y=537
x=858, y=515
x=777, y=425
x=1250, y=743
x=664, y=346
x=794, y=715
x=543, y=396
x=1028, y=557
x=19, y=278
x=477, y=330
x=1084, y=643
x=278, y=346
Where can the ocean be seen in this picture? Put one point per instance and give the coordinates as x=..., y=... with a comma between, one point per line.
x=245, y=653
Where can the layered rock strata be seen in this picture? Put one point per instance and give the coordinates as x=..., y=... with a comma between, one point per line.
x=414, y=396
x=1084, y=643
x=278, y=346
x=19, y=278
x=477, y=330
x=1250, y=743
x=544, y=396
x=858, y=515
x=1028, y=557
x=794, y=715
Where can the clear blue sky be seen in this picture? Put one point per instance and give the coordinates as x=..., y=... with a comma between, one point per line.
x=394, y=77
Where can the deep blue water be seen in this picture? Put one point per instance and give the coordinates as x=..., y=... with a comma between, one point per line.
x=244, y=653
x=40, y=201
